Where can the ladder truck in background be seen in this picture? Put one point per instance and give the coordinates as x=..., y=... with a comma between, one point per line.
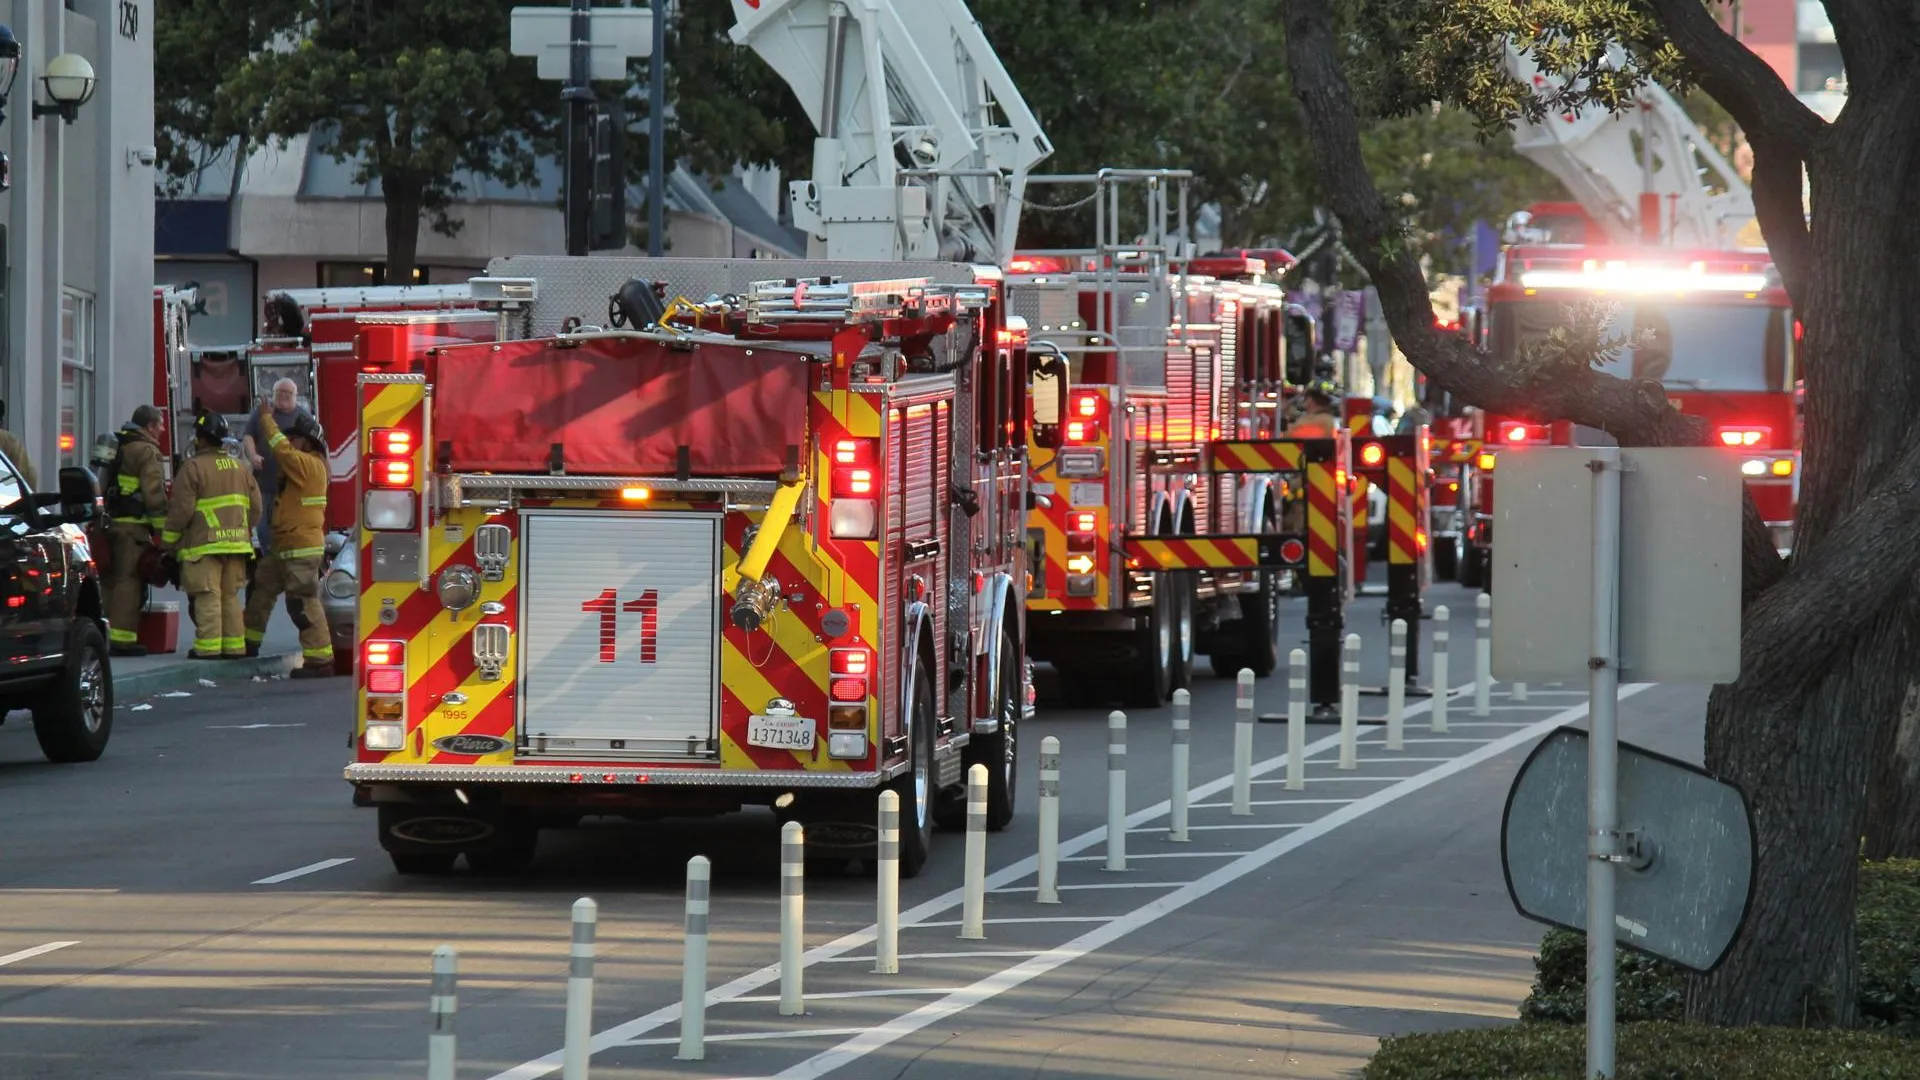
x=1663, y=227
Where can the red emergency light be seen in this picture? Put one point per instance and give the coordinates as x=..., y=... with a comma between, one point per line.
x=390, y=473
x=1038, y=264
x=852, y=662
x=1372, y=454
x=1518, y=433
x=393, y=442
x=1743, y=436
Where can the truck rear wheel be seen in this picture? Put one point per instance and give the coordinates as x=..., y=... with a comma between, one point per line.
x=1473, y=567
x=1446, y=557
x=1253, y=640
x=1149, y=678
x=1181, y=676
x=916, y=786
x=1000, y=751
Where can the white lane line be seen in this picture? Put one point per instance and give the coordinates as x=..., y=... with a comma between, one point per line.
x=1436, y=742
x=619, y=1034
x=759, y=1036
x=1255, y=826
x=920, y=991
x=1095, y=886
x=310, y=868
x=900, y=1027
x=939, y=955
x=1132, y=855
x=37, y=950
x=1278, y=802
x=1028, y=919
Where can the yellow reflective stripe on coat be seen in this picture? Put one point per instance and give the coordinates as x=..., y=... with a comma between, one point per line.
x=170, y=536
x=278, y=438
x=302, y=553
x=128, y=484
x=313, y=500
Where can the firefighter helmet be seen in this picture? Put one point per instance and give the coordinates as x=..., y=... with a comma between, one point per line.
x=306, y=427
x=212, y=427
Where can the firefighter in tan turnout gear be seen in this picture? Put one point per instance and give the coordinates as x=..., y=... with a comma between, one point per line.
x=137, y=503
x=210, y=525
x=292, y=562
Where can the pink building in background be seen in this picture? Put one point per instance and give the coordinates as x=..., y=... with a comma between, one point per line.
x=1796, y=38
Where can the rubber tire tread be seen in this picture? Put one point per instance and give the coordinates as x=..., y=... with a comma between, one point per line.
x=58, y=720
x=916, y=843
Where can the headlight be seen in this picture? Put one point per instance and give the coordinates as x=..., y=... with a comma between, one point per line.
x=340, y=585
x=459, y=587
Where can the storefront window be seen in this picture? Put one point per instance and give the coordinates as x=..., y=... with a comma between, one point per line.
x=76, y=376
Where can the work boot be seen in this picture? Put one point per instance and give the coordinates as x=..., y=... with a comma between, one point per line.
x=253, y=649
x=313, y=669
x=196, y=655
x=128, y=650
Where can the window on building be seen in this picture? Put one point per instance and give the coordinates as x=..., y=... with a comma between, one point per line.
x=1820, y=68
x=76, y=376
x=353, y=275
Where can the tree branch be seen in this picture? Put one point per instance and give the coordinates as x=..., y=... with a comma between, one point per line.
x=1778, y=205
x=1745, y=85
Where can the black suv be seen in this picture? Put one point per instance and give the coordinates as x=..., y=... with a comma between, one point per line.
x=53, y=627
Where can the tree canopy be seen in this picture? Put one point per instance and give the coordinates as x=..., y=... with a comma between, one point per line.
x=1826, y=696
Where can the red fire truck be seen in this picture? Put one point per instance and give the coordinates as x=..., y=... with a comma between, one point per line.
x=758, y=549
x=1713, y=327
x=1166, y=355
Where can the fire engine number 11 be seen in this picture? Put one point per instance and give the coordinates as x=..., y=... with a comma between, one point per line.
x=608, y=606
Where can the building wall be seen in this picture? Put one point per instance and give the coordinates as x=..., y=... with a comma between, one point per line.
x=79, y=217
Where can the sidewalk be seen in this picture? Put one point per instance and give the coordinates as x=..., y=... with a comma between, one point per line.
x=136, y=677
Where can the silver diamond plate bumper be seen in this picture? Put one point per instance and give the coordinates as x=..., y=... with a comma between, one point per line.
x=602, y=774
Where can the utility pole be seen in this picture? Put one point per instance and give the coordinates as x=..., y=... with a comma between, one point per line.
x=578, y=95
x=657, y=134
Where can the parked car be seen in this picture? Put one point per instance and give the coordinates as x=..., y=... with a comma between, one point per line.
x=340, y=596
x=53, y=627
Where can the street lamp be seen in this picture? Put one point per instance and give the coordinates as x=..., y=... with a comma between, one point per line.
x=69, y=81
x=9, y=66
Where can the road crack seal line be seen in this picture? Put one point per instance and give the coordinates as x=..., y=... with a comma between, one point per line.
x=622, y=1034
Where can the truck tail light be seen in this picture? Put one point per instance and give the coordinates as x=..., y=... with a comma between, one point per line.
x=854, y=451
x=385, y=663
x=1743, y=436
x=851, y=661
x=390, y=472
x=1485, y=462
x=1519, y=433
x=1372, y=454
x=1086, y=419
x=392, y=442
x=855, y=483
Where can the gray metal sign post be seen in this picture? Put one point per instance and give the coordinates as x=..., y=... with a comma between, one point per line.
x=1616, y=560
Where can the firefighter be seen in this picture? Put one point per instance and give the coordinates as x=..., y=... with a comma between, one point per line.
x=209, y=523
x=292, y=562
x=1318, y=421
x=137, y=503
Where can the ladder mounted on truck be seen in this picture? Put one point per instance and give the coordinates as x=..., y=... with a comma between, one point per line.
x=853, y=303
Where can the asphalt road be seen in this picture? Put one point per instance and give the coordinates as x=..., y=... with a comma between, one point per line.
x=149, y=928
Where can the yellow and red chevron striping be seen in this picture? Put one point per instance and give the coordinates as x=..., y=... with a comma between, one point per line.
x=1323, y=520
x=1403, y=544
x=1195, y=553
x=1254, y=456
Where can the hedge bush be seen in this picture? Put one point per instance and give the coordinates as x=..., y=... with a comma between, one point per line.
x=1888, y=922
x=1648, y=1051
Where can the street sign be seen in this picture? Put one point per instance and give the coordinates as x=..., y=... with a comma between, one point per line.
x=1686, y=876
x=546, y=33
x=1679, y=577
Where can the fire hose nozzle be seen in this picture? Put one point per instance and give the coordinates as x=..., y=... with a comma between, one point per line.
x=753, y=602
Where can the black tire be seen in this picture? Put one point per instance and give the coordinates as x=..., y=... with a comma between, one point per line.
x=1149, y=678
x=422, y=862
x=918, y=795
x=75, y=718
x=1472, y=567
x=1181, y=675
x=1446, y=558
x=1252, y=641
x=511, y=853
x=1000, y=751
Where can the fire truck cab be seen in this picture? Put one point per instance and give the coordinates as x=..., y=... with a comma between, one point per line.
x=653, y=556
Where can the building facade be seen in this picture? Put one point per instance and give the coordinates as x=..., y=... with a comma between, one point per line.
x=78, y=221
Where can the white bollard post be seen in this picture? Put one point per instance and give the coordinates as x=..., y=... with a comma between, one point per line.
x=442, y=1003
x=886, y=941
x=1441, y=691
x=579, y=1045
x=973, y=904
x=1177, y=799
x=1483, y=655
x=693, y=972
x=1116, y=790
x=1297, y=720
x=1350, y=704
x=1048, y=872
x=1397, y=684
x=793, y=916
x=1243, y=743
x=1517, y=691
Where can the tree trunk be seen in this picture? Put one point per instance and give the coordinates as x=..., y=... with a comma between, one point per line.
x=404, y=194
x=1893, y=794
x=1828, y=647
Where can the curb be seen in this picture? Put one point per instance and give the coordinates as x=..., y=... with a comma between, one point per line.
x=188, y=673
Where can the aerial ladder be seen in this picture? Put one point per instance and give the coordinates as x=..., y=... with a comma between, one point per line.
x=924, y=144
x=1647, y=176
